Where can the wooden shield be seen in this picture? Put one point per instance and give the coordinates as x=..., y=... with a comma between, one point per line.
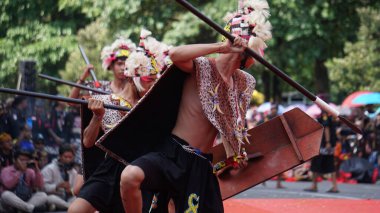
x=279, y=144
x=91, y=157
x=149, y=122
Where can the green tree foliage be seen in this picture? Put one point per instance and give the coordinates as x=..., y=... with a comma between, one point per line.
x=172, y=24
x=41, y=43
x=306, y=34
x=92, y=39
x=38, y=30
x=359, y=69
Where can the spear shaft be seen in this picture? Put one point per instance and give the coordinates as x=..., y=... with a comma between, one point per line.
x=72, y=84
x=58, y=98
x=83, y=53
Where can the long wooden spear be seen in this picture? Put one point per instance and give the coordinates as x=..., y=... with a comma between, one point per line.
x=58, y=98
x=322, y=104
x=72, y=84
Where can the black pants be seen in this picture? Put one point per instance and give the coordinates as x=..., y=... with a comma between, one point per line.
x=323, y=164
x=102, y=189
x=182, y=175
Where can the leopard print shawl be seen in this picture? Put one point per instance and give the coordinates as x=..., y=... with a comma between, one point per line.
x=224, y=107
x=111, y=117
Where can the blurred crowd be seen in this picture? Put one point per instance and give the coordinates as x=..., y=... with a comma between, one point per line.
x=40, y=154
x=356, y=157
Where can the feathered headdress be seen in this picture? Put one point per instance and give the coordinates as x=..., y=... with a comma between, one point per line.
x=250, y=22
x=120, y=48
x=150, y=58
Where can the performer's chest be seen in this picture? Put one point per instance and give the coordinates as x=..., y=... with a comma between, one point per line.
x=190, y=101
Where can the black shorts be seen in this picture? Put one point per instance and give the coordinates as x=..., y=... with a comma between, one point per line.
x=102, y=189
x=323, y=164
x=183, y=175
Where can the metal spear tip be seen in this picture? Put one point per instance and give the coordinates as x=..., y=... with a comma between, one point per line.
x=350, y=124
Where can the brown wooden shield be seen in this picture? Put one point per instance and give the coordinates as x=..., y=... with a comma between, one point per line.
x=279, y=144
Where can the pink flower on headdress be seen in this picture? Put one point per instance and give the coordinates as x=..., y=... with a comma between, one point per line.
x=108, y=61
x=124, y=47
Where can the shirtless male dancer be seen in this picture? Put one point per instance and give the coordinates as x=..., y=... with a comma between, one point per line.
x=215, y=98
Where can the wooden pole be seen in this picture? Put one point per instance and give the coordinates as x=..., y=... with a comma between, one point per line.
x=72, y=84
x=58, y=98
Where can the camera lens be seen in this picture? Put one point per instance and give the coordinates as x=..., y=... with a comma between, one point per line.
x=30, y=165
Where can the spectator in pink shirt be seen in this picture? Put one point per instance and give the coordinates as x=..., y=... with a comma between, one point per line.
x=20, y=183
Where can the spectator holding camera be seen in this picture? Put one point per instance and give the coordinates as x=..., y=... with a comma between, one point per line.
x=21, y=182
x=59, y=177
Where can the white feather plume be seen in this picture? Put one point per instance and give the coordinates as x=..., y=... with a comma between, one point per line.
x=145, y=33
x=137, y=63
x=263, y=31
x=122, y=42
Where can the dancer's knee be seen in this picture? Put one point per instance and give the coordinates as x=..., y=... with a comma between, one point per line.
x=80, y=206
x=131, y=177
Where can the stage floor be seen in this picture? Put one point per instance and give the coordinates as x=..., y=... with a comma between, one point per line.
x=301, y=205
x=353, y=198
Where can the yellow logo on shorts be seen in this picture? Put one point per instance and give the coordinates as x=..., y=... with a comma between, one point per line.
x=192, y=208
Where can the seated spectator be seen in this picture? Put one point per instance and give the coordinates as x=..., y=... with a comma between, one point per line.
x=21, y=182
x=40, y=154
x=373, y=158
x=6, y=150
x=59, y=178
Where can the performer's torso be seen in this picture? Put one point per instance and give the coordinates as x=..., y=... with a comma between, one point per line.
x=192, y=125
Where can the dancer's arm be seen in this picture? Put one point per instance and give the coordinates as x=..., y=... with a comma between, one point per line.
x=182, y=56
x=92, y=130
